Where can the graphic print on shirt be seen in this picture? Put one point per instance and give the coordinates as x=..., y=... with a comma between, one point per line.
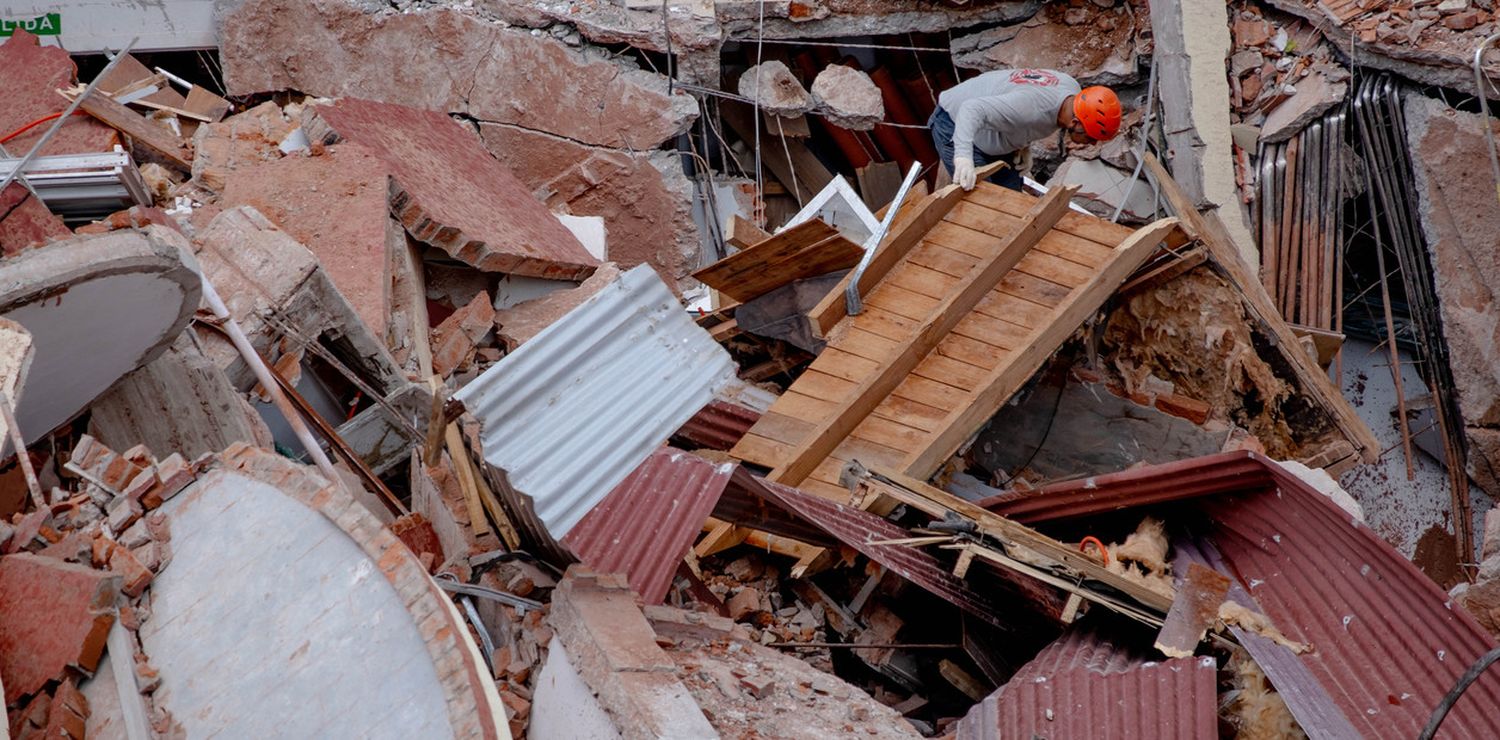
x=1040, y=77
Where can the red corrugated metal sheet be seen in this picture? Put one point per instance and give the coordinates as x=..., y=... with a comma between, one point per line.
x=1215, y=474
x=645, y=526
x=1388, y=643
x=861, y=530
x=1091, y=686
x=719, y=425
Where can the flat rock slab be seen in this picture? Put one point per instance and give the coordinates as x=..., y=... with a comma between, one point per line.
x=849, y=97
x=450, y=61
x=52, y=615
x=97, y=307
x=336, y=205
x=1099, y=51
x=448, y=191
x=33, y=74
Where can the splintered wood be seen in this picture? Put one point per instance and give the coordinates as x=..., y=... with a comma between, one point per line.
x=807, y=250
x=973, y=292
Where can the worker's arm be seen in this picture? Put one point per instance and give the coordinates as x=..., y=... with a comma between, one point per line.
x=995, y=112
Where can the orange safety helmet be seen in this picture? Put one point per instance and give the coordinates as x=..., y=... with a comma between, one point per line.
x=1098, y=109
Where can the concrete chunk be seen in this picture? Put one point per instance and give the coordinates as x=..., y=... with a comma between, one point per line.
x=53, y=615
x=849, y=97
x=776, y=89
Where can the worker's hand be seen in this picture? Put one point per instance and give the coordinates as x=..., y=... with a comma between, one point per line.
x=963, y=173
x=1023, y=161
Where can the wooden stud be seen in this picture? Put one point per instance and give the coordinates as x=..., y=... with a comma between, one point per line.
x=156, y=138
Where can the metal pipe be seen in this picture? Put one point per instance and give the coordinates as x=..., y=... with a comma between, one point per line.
x=1140, y=152
x=57, y=124
x=1484, y=107
x=451, y=585
x=852, y=303
x=267, y=381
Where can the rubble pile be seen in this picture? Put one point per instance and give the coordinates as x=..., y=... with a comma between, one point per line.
x=632, y=369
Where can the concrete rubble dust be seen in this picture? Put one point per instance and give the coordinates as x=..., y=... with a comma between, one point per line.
x=529, y=368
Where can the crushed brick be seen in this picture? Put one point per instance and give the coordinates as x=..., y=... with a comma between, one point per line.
x=53, y=616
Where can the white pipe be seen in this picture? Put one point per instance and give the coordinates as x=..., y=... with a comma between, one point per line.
x=268, y=381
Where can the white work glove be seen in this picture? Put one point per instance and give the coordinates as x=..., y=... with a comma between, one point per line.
x=963, y=172
x=1023, y=162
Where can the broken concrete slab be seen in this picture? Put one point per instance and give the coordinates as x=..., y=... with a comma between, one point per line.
x=56, y=616
x=26, y=221
x=453, y=341
x=15, y=361
x=241, y=140
x=1098, y=51
x=336, y=204
x=97, y=307
x=452, y=194
x=33, y=75
x=775, y=89
x=180, y=402
x=268, y=551
x=525, y=320
x=613, y=649
x=1102, y=188
x=1317, y=93
x=269, y=280
x=1456, y=195
x=453, y=61
x=644, y=198
x=848, y=98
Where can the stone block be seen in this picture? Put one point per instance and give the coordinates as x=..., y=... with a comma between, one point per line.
x=776, y=89
x=53, y=615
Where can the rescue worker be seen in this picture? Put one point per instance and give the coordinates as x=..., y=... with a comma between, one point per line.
x=997, y=114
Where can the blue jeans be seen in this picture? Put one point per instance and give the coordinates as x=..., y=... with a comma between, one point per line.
x=941, y=125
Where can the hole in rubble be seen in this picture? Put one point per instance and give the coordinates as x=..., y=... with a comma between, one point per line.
x=197, y=66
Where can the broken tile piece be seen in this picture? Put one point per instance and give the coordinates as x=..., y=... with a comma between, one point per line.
x=52, y=615
x=451, y=193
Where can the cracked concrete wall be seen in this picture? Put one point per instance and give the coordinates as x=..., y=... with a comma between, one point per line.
x=1192, y=44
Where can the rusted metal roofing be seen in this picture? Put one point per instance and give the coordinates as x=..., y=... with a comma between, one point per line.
x=645, y=526
x=1215, y=474
x=719, y=425
x=864, y=532
x=1090, y=685
x=1387, y=642
x=571, y=413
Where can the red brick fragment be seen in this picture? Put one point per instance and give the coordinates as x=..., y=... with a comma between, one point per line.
x=1181, y=406
x=417, y=534
x=135, y=576
x=53, y=615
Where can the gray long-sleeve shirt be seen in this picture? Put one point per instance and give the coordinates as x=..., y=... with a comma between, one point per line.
x=1004, y=110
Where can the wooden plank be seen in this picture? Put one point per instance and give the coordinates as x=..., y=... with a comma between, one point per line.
x=1005, y=380
x=912, y=224
x=802, y=174
x=974, y=217
x=1166, y=269
x=972, y=351
x=878, y=183
x=923, y=281
x=900, y=301
x=855, y=408
x=1090, y=228
x=156, y=138
x=204, y=103
x=935, y=256
x=1311, y=379
x=805, y=250
x=758, y=450
x=1193, y=612
x=129, y=71
x=937, y=503
x=743, y=233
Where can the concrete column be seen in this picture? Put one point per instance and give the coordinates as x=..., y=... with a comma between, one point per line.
x=1192, y=43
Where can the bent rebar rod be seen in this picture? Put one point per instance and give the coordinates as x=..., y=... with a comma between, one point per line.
x=1484, y=107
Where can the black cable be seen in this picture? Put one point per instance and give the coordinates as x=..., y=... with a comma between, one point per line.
x=1469, y=677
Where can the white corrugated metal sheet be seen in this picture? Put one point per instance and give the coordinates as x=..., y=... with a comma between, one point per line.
x=572, y=412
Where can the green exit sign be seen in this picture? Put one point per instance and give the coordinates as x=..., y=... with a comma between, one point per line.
x=42, y=25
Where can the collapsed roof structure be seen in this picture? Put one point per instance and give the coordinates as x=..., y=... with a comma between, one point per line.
x=633, y=369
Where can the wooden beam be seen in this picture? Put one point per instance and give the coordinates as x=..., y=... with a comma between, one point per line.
x=788, y=159
x=1165, y=270
x=743, y=233
x=156, y=138
x=980, y=280
x=1009, y=376
x=937, y=503
x=1311, y=379
x=806, y=250
x=911, y=225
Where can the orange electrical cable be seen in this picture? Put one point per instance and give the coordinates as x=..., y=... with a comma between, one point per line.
x=1097, y=544
x=28, y=126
